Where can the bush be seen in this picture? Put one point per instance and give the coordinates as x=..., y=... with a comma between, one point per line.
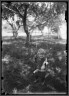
x=15, y=76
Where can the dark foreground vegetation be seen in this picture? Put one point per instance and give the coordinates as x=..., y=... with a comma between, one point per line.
x=19, y=62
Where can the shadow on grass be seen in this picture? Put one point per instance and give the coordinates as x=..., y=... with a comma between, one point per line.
x=19, y=69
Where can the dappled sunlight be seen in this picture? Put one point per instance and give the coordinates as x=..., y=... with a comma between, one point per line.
x=6, y=59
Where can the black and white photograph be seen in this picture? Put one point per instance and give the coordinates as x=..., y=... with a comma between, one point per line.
x=34, y=47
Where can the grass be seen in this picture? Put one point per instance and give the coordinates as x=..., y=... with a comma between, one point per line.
x=19, y=62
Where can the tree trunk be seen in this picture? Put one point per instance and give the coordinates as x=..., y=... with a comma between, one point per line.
x=28, y=38
x=25, y=25
x=15, y=34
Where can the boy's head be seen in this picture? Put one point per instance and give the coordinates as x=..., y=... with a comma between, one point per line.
x=42, y=53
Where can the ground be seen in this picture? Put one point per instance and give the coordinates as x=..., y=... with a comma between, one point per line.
x=20, y=61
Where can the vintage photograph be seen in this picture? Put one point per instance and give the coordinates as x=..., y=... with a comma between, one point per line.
x=34, y=53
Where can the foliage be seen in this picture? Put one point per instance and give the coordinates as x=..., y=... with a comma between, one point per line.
x=44, y=13
x=18, y=71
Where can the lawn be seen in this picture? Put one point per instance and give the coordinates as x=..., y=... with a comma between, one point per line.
x=20, y=61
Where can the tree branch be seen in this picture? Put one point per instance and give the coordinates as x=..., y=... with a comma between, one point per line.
x=10, y=24
x=14, y=10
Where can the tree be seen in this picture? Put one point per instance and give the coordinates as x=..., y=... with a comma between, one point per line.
x=10, y=18
x=48, y=15
x=14, y=25
x=43, y=12
x=16, y=8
